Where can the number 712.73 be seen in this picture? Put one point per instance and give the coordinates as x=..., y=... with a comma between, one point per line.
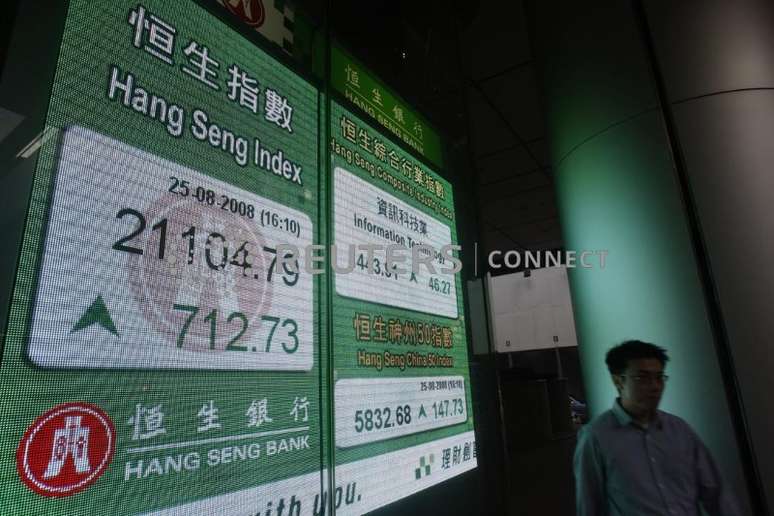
x=286, y=339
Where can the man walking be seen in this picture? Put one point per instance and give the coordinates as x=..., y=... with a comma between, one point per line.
x=635, y=460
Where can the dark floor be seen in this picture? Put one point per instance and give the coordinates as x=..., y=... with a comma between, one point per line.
x=541, y=480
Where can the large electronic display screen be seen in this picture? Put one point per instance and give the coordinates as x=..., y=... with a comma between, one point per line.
x=401, y=391
x=164, y=355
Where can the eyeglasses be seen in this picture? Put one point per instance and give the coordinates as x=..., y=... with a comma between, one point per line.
x=647, y=378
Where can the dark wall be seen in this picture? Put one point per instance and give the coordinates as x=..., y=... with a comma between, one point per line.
x=717, y=60
x=621, y=186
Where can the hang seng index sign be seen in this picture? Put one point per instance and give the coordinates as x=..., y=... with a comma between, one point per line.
x=156, y=355
x=161, y=356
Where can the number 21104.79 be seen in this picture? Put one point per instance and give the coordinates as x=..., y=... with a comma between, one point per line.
x=217, y=261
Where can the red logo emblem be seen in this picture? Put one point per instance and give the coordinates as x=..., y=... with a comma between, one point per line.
x=249, y=11
x=66, y=449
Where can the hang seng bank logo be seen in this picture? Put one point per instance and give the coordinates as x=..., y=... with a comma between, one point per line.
x=66, y=449
x=250, y=12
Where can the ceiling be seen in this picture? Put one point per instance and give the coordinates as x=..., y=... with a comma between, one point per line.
x=470, y=70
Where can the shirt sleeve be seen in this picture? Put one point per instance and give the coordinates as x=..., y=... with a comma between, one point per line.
x=590, y=492
x=715, y=497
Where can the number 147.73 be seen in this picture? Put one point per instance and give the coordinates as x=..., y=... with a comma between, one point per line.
x=448, y=408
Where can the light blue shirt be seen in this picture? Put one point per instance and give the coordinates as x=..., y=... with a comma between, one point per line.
x=622, y=469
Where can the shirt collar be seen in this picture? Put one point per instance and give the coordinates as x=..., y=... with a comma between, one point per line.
x=625, y=419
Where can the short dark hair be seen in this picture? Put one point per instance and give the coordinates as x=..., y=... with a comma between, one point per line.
x=618, y=357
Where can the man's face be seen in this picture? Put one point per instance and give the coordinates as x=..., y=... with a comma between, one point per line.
x=641, y=385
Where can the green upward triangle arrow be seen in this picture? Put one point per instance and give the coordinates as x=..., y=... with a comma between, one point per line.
x=97, y=313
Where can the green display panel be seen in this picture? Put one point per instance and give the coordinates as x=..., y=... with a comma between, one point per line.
x=155, y=355
x=365, y=90
x=401, y=390
x=161, y=357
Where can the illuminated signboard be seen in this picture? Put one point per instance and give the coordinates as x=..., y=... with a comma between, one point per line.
x=161, y=357
x=402, y=399
x=366, y=91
